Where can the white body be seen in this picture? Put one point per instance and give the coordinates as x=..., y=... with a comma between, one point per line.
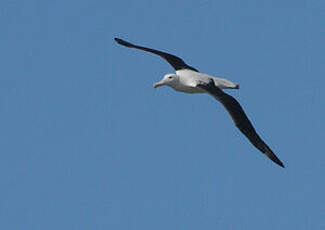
x=188, y=79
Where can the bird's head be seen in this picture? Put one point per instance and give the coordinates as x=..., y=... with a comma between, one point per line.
x=170, y=79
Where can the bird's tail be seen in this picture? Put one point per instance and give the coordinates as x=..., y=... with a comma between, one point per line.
x=225, y=83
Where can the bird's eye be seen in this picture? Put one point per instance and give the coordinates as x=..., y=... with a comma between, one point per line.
x=170, y=77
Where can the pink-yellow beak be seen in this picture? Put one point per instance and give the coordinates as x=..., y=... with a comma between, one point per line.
x=158, y=84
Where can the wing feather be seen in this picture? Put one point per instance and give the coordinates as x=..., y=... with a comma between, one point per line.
x=176, y=62
x=240, y=119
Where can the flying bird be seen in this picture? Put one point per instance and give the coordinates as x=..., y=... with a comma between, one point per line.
x=187, y=79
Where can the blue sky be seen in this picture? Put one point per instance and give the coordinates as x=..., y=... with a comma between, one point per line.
x=87, y=143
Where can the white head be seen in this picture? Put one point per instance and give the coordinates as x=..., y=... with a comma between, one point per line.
x=169, y=79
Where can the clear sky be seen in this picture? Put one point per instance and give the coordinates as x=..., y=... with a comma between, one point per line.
x=87, y=143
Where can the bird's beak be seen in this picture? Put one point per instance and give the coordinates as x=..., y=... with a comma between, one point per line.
x=157, y=84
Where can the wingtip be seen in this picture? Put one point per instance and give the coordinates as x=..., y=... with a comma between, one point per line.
x=282, y=165
x=278, y=162
x=122, y=42
x=274, y=158
x=117, y=39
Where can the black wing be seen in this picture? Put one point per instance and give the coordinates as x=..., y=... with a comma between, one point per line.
x=174, y=61
x=240, y=119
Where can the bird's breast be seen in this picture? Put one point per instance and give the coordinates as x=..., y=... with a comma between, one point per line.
x=187, y=89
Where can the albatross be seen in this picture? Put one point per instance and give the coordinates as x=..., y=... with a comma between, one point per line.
x=187, y=79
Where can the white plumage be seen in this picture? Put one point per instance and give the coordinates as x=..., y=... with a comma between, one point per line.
x=187, y=79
